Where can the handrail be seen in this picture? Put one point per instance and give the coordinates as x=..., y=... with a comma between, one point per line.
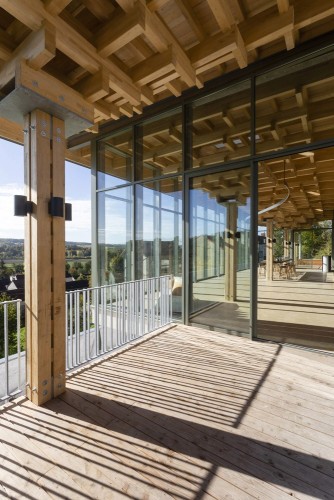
x=104, y=318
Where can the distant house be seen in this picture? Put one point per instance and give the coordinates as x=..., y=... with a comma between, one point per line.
x=76, y=285
x=4, y=282
x=13, y=286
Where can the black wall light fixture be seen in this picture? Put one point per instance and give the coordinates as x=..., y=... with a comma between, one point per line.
x=274, y=240
x=237, y=234
x=229, y=234
x=56, y=206
x=22, y=207
x=68, y=211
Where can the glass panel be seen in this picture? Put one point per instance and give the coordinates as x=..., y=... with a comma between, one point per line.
x=220, y=250
x=295, y=281
x=221, y=126
x=115, y=235
x=115, y=160
x=294, y=103
x=160, y=146
x=159, y=233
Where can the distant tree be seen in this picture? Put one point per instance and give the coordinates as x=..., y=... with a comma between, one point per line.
x=88, y=267
x=12, y=327
x=18, y=268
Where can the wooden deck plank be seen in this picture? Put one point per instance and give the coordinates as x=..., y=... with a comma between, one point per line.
x=187, y=414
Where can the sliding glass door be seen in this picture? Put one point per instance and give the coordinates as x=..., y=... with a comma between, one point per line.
x=219, y=250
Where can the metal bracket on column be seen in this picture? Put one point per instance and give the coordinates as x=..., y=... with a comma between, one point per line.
x=56, y=206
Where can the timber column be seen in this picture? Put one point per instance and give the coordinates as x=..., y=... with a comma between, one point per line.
x=269, y=251
x=231, y=252
x=44, y=158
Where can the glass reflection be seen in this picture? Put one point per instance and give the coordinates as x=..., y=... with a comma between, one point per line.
x=220, y=250
x=159, y=146
x=115, y=160
x=115, y=224
x=221, y=126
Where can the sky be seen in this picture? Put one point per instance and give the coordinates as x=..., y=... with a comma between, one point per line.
x=77, y=188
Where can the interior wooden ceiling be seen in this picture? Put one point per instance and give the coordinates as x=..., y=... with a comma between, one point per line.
x=117, y=56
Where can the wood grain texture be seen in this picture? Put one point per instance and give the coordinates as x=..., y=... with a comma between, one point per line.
x=186, y=414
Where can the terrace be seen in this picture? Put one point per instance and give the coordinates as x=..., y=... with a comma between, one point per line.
x=187, y=414
x=199, y=128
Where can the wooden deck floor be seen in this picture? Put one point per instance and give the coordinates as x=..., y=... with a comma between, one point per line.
x=187, y=414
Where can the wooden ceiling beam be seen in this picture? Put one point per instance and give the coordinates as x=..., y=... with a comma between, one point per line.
x=212, y=47
x=222, y=13
x=154, y=68
x=101, y=9
x=309, y=11
x=94, y=87
x=161, y=37
x=121, y=30
x=266, y=27
x=174, y=86
x=194, y=23
x=53, y=90
x=55, y=7
x=107, y=110
x=38, y=49
x=283, y=6
x=75, y=46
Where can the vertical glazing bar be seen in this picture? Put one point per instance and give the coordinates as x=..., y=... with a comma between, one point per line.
x=18, y=330
x=5, y=320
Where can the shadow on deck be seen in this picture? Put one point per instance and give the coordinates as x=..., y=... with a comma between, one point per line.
x=188, y=414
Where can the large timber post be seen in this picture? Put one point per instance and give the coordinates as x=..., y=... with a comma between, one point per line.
x=231, y=246
x=269, y=251
x=44, y=156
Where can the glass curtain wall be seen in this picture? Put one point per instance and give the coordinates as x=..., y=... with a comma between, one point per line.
x=159, y=228
x=144, y=172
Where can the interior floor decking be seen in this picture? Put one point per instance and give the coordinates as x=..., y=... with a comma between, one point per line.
x=295, y=311
x=186, y=414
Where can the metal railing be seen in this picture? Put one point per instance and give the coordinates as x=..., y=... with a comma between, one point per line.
x=12, y=359
x=101, y=319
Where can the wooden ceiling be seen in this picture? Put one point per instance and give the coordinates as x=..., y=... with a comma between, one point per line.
x=121, y=55
x=117, y=56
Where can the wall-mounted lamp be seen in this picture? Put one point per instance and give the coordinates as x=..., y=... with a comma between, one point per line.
x=269, y=240
x=274, y=240
x=68, y=211
x=22, y=207
x=56, y=206
x=229, y=234
x=237, y=235
x=289, y=243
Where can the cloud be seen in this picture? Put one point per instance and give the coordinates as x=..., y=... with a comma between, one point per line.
x=79, y=229
x=10, y=226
